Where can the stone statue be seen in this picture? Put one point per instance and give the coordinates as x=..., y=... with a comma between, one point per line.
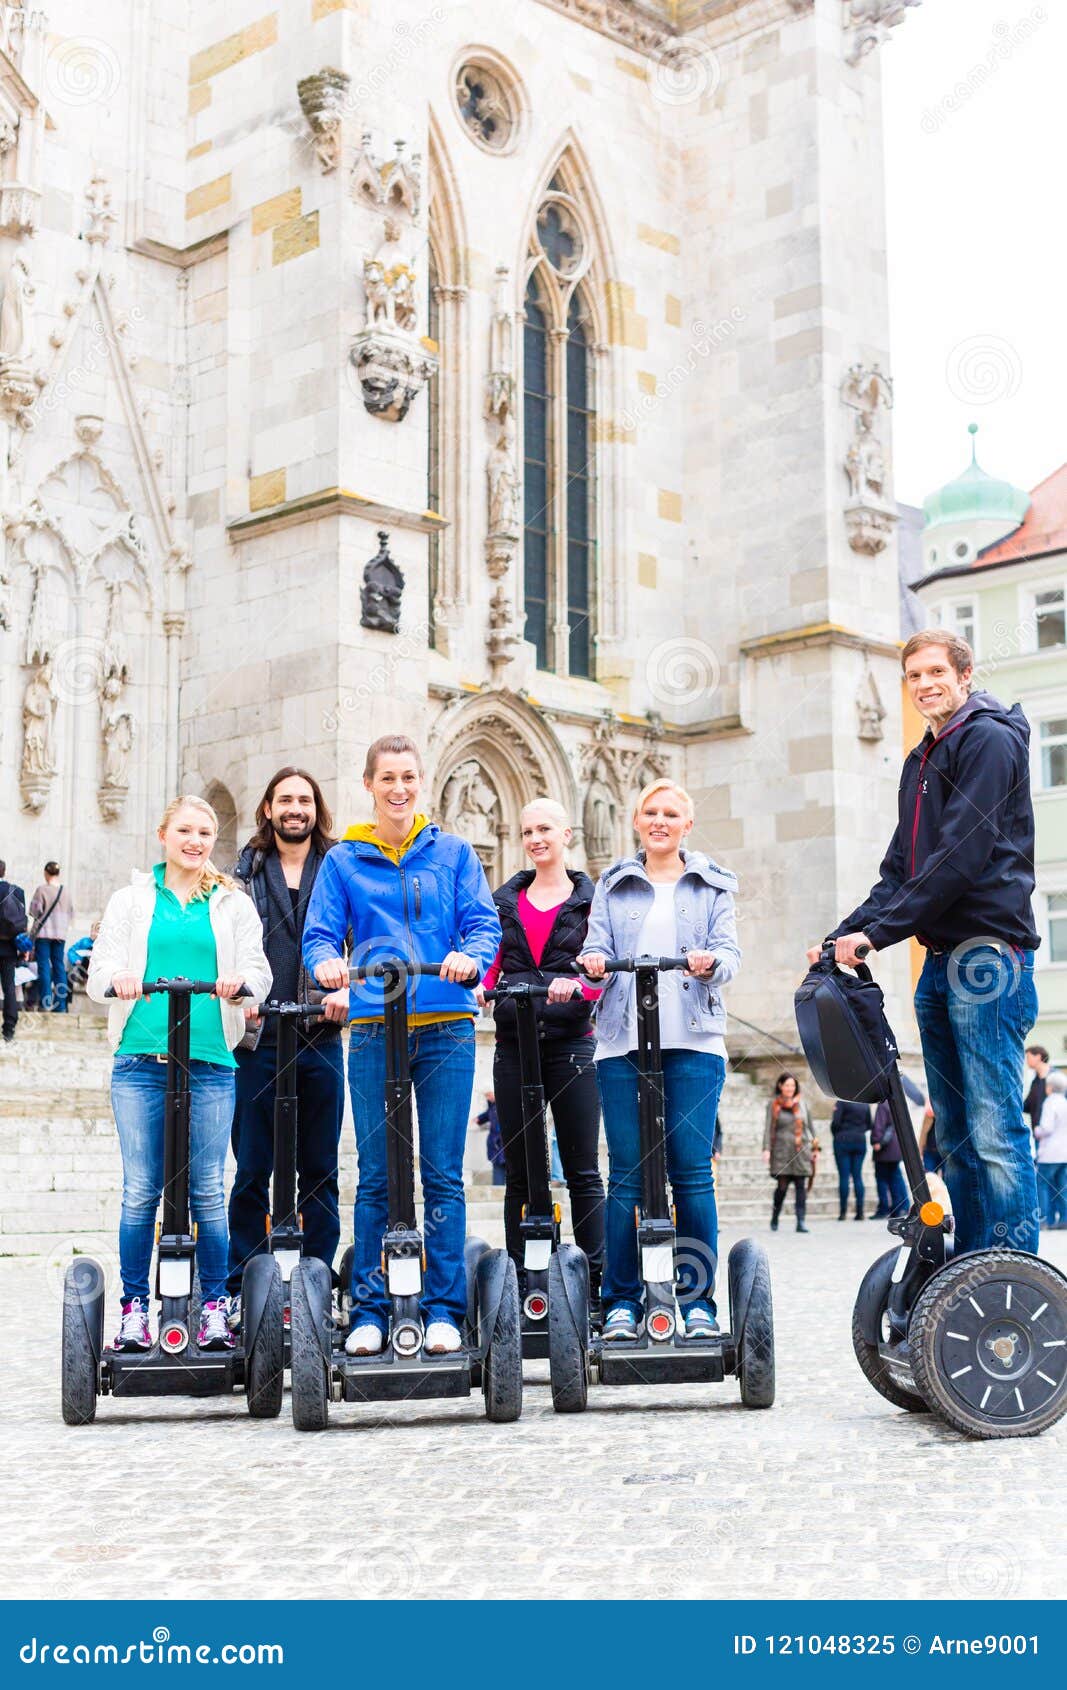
x=38, y=723
x=383, y=584
x=504, y=481
x=468, y=806
x=401, y=281
x=16, y=317
x=865, y=462
x=600, y=816
x=379, y=297
x=116, y=731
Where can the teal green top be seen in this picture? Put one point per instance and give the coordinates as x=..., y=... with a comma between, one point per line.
x=180, y=942
x=975, y=496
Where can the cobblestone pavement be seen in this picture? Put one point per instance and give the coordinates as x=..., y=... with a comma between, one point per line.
x=653, y=1492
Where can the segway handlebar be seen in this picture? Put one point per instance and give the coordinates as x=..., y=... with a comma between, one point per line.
x=293, y=1011
x=521, y=989
x=396, y=965
x=630, y=964
x=179, y=987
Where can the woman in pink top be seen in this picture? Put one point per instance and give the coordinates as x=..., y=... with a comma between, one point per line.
x=544, y=912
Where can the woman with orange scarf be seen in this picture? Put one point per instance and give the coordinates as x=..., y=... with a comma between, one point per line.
x=789, y=1147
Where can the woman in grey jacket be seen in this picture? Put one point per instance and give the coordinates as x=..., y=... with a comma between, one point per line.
x=663, y=902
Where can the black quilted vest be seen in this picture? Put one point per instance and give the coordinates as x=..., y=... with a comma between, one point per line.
x=555, y=1020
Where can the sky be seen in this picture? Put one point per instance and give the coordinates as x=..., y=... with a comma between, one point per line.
x=975, y=107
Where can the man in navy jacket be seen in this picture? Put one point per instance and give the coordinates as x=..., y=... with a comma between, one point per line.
x=959, y=876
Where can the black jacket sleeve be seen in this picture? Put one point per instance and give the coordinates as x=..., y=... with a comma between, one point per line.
x=972, y=817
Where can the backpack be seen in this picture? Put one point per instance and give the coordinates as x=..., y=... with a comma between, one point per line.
x=12, y=912
x=849, y=1044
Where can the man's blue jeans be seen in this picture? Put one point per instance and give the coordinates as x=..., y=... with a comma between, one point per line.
x=51, y=974
x=692, y=1082
x=850, y=1176
x=442, y=1071
x=892, y=1189
x=975, y=1007
x=138, y=1093
x=321, y=1106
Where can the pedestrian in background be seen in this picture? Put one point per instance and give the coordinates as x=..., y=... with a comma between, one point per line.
x=1052, y=1153
x=1037, y=1061
x=494, y=1143
x=789, y=1147
x=849, y=1125
x=50, y=913
x=12, y=924
x=885, y=1146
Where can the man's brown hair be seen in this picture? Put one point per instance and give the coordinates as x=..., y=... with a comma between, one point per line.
x=960, y=654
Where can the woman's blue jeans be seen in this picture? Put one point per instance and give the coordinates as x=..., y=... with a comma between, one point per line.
x=692, y=1082
x=138, y=1095
x=442, y=1072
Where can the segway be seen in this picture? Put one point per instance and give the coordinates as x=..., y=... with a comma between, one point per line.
x=981, y=1338
x=661, y=1354
x=174, y=1366
x=555, y=1309
x=491, y=1354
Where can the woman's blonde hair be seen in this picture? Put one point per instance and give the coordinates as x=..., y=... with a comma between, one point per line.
x=665, y=786
x=210, y=876
x=550, y=807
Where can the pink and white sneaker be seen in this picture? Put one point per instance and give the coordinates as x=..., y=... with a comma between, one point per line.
x=133, y=1333
x=214, y=1333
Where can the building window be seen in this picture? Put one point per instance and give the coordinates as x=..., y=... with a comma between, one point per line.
x=1054, y=753
x=961, y=620
x=433, y=443
x=1057, y=927
x=1050, y=618
x=537, y=470
x=489, y=104
x=559, y=484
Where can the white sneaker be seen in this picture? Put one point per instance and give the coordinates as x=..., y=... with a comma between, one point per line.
x=365, y=1340
x=442, y=1338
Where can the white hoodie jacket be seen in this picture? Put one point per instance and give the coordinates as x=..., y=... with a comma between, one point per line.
x=122, y=946
x=1052, y=1129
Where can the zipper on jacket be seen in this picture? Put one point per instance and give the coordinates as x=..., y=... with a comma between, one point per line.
x=418, y=898
x=413, y=979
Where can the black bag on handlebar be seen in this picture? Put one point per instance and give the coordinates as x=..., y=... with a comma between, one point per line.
x=847, y=1040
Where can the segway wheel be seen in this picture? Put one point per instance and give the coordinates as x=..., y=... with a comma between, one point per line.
x=875, y=1285
x=344, y=1281
x=265, y=1363
x=988, y=1337
x=568, y=1332
x=473, y=1251
x=83, y=1334
x=308, y=1318
x=752, y=1322
x=502, y=1368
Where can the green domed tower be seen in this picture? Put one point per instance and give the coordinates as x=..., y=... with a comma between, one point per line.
x=971, y=512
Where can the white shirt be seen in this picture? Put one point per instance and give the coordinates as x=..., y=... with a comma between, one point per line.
x=659, y=937
x=1052, y=1129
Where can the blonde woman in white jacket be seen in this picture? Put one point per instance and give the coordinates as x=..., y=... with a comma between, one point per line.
x=184, y=918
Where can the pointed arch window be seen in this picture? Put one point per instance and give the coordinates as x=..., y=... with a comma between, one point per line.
x=559, y=452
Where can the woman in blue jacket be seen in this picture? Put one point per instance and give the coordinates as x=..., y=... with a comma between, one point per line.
x=665, y=901
x=403, y=888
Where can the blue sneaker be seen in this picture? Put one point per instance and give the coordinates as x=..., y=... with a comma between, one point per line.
x=620, y=1327
x=700, y=1324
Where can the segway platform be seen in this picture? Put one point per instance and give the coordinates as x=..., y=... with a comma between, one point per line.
x=386, y=1377
x=155, y=1373
x=680, y=1361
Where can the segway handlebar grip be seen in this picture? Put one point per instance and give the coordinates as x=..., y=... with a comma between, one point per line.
x=295, y=1010
x=189, y=987
x=520, y=990
x=630, y=964
x=375, y=970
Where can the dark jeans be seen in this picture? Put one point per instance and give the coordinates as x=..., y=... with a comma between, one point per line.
x=321, y=1093
x=800, y=1182
x=1052, y=1187
x=7, y=992
x=892, y=1191
x=568, y=1074
x=850, y=1175
x=51, y=974
x=974, y=1009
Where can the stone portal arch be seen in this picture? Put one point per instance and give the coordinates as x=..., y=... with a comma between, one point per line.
x=221, y=800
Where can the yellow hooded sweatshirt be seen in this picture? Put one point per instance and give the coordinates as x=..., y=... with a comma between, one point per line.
x=366, y=833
